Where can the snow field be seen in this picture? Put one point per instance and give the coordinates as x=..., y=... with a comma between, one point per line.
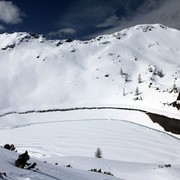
x=133, y=147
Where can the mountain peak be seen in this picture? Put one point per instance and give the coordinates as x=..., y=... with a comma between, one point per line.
x=11, y=40
x=132, y=30
x=149, y=27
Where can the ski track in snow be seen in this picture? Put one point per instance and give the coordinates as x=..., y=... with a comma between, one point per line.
x=76, y=109
x=84, y=120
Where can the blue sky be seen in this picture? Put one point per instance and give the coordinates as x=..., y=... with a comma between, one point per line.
x=84, y=19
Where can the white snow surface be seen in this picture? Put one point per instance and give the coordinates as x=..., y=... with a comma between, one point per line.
x=133, y=147
x=38, y=74
x=45, y=171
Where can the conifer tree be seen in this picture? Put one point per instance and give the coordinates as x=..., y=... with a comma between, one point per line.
x=98, y=153
x=139, y=79
x=137, y=91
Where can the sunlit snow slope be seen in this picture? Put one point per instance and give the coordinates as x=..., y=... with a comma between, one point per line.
x=130, y=151
x=36, y=73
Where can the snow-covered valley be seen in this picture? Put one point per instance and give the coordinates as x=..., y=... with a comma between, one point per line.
x=133, y=146
x=136, y=68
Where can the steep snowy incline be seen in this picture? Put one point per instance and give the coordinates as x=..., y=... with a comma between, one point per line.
x=39, y=74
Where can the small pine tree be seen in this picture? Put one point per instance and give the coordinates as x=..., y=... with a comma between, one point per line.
x=175, y=89
x=21, y=162
x=137, y=91
x=124, y=92
x=121, y=71
x=160, y=73
x=126, y=77
x=139, y=79
x=150, y=69
x=155, y=72
x=98, y=153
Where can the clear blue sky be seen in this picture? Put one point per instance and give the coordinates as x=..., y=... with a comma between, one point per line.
x=84, y=19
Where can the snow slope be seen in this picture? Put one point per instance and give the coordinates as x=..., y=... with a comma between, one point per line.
x=46, y=171
x=81, y=137
x=38, y=74
x=130, y=151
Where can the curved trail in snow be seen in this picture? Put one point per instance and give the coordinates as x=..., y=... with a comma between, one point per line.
x=70, y=109
x=169, y=124
x=86, y=120
x=52, y=122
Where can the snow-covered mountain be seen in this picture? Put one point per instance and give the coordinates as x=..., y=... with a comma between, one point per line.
x=50, y=92
x=141, y=62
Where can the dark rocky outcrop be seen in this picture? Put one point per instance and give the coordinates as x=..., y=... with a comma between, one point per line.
x=169, y=124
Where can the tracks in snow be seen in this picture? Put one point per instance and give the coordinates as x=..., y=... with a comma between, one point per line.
x=69, y=109
x=169, y=124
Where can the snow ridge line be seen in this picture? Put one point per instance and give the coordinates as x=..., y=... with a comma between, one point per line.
x=70, y=109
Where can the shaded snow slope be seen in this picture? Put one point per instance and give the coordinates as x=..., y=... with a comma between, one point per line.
x=39, y=74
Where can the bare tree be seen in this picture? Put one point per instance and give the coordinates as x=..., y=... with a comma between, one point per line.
x=98, y=153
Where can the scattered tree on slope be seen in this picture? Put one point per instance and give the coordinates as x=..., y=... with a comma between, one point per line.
x=98, y=153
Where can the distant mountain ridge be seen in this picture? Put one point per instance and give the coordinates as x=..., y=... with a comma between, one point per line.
x=138, y=66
